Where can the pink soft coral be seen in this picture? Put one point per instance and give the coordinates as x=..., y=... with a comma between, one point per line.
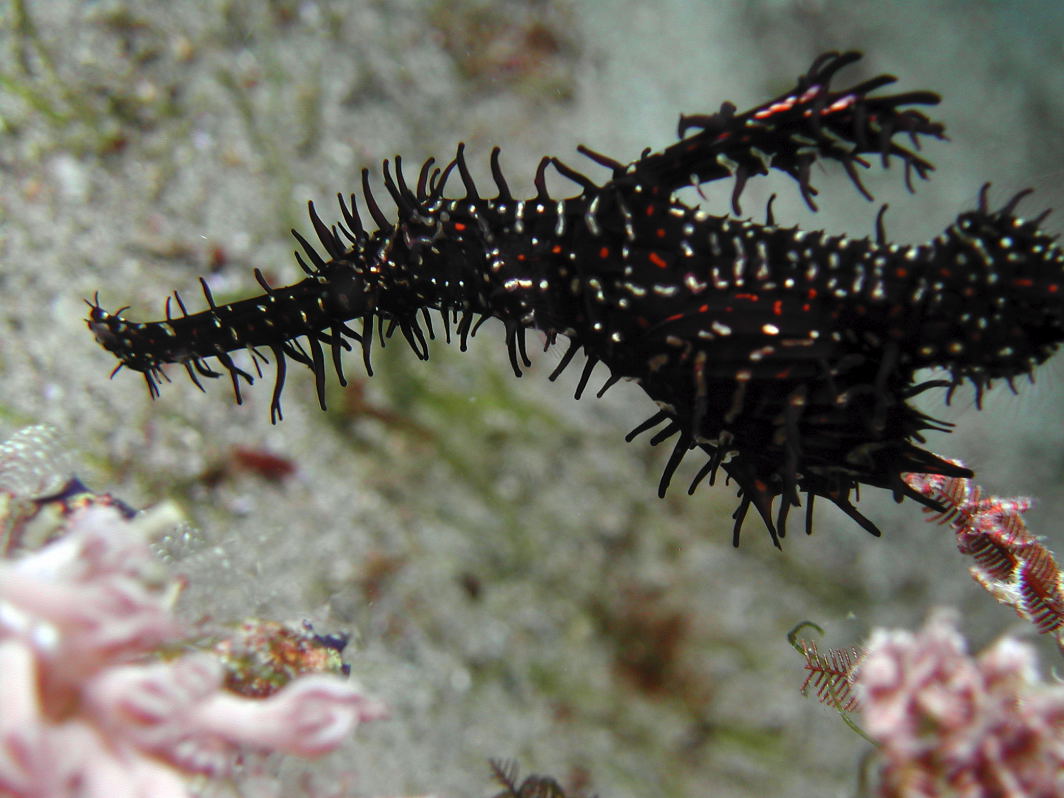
x=950, y=724
x=87, y=709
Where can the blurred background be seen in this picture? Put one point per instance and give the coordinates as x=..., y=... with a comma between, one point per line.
x=513, y=585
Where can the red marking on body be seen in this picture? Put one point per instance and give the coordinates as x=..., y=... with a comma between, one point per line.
x=748, y=297
x=604, y=252
x=459, y=226
x=776, y=108
x=777, y=307
x=1023, y=282
x=657, y=260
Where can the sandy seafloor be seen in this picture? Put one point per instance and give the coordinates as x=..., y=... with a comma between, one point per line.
x=513, y=585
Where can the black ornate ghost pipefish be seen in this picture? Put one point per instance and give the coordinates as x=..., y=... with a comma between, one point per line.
x=787, y=356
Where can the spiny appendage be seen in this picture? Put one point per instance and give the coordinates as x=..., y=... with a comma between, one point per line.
x=823, y=437
x=362, y=276
x=189, y=339
x=795, y=130
x=996, y=308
